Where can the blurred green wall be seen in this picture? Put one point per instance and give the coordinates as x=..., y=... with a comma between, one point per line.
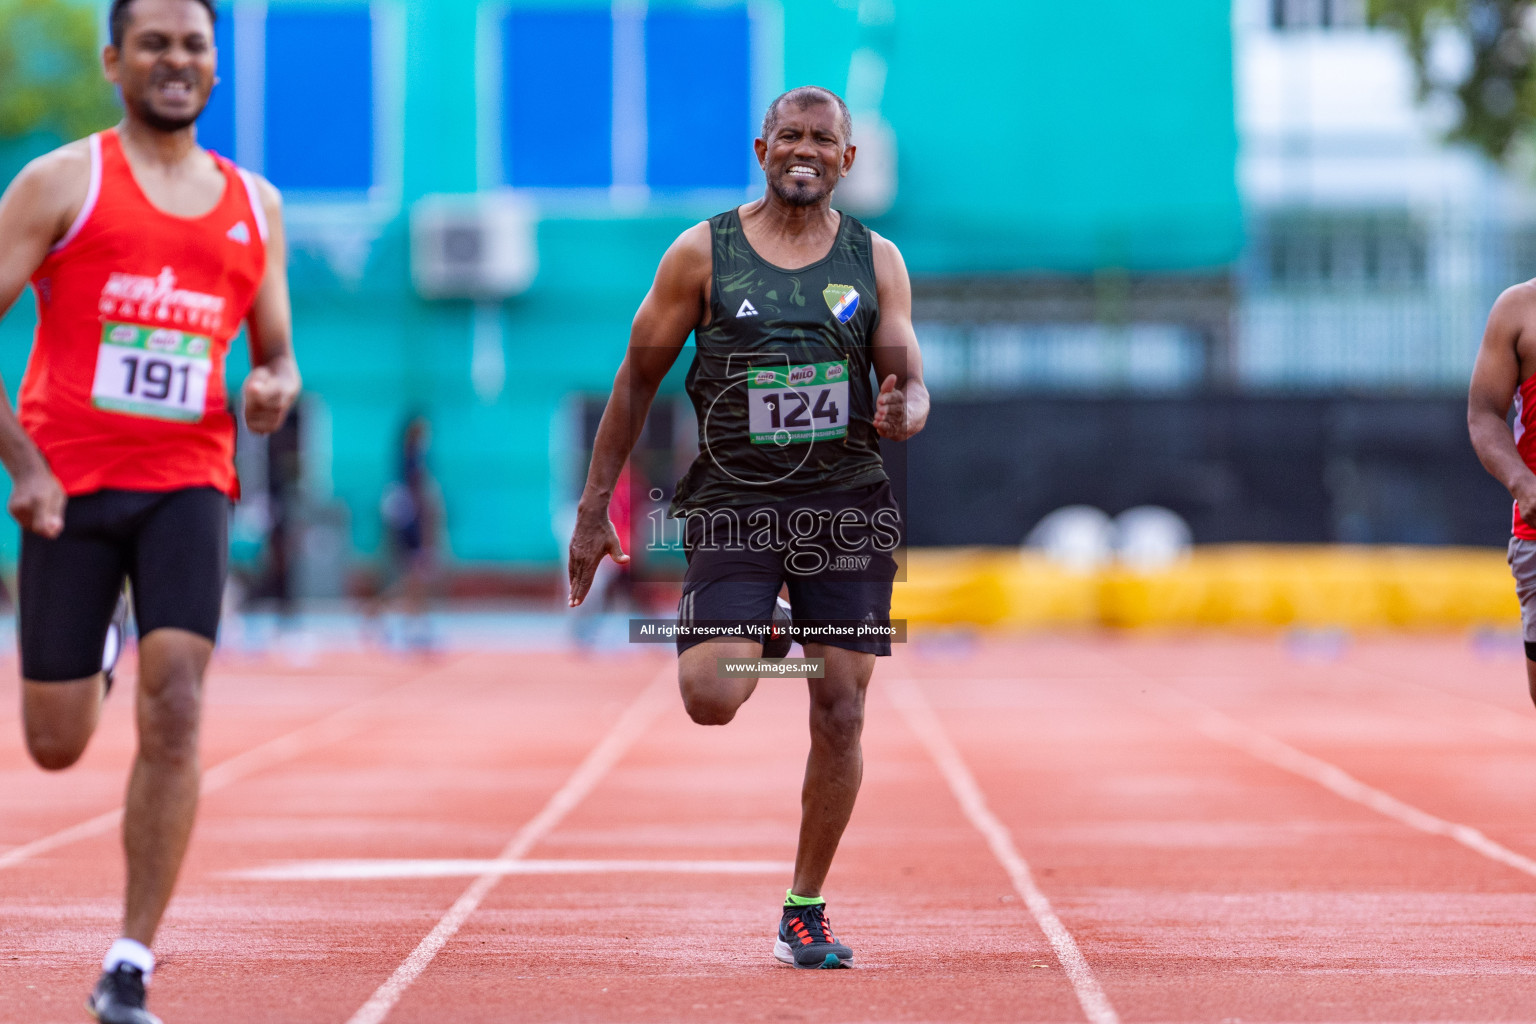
x=1033, y=136
x=1039, y=135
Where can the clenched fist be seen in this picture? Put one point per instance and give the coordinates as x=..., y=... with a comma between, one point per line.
x=268, y=396
x=37, y=502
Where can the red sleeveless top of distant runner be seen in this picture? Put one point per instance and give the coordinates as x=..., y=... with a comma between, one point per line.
x=136, y=310
x=1525, y=440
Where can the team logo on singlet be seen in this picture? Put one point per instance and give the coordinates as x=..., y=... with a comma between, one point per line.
x=842, y=300
x=239, y=233
x=158, y=300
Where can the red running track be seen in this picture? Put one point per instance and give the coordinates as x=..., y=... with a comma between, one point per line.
x=1093, y=829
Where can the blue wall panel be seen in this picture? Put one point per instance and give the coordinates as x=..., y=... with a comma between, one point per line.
x=216, y=126
x=319, y=116
x=698, y=94
x=557, y=103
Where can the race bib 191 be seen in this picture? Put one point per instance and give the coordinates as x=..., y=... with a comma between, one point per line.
x=152, y=371
x=798, y=404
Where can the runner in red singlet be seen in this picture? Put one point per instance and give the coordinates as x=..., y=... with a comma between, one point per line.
x=1505, y=374
x=146, y=254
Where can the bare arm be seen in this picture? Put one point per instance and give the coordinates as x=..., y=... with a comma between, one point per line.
x=1495, y=376
x=35, y=213
x=273, y=383
x=901, y=409
x=671, y=310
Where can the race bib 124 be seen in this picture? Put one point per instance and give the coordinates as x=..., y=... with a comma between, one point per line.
x=798, y=404
x=152, y=371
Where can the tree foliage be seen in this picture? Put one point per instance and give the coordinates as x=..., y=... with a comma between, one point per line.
x=50, y=73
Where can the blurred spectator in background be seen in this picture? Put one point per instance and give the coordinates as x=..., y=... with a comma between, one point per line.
x=284, y=489
x=412, y=510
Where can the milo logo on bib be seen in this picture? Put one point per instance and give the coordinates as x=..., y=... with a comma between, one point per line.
x=158, y=341
x=805, y=403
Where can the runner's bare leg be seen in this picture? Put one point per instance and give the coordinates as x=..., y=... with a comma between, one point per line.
x=712, y=699
x=162, y=791
x=835, y=766
x=60, y=718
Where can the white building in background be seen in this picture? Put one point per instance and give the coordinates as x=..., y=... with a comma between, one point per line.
x=1374, y=248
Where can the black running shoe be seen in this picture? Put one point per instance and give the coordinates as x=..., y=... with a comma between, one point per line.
x=806, y=940
x=119, y=997
x=776, y=644
x=117, y=639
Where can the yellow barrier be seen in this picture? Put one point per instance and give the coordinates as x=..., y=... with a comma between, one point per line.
x=1226, y=586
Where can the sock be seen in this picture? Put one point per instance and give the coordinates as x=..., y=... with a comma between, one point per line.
x=791, y=900
x=132, y=953
x=111, y=648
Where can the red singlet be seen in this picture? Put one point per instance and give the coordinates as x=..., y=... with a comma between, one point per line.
x=136, y=309
x=1525, y=440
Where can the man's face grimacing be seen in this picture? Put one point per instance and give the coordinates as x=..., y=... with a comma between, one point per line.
x=805, y=155
x=165, y=67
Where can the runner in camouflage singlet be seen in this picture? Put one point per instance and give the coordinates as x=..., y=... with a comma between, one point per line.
x=788, y=427
x=812, y=434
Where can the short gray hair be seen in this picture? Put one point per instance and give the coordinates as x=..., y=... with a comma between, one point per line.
x=805, y=96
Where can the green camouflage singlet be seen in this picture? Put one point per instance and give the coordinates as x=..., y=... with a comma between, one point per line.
x=780, y=379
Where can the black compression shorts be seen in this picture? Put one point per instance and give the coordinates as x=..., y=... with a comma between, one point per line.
x=834, y=556
x=173, y=546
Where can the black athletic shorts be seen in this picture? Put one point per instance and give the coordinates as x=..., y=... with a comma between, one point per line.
x=173, y=546
x=834, y=552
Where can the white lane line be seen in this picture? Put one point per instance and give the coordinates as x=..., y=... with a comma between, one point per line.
x=925, y=724
x=629, y=728
x=87, y=829
x=1497, y=719
x=364, y=870
x=1262, y=746
x=336, y=726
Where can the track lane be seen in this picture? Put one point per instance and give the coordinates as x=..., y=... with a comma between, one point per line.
x=54, y=809
x=938, y=933
x=629, y=728
x=445, y=769
x=1206, y=885
x=1459, y=759
x=1200, y=883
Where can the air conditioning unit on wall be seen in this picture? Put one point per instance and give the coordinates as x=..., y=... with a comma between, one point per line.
x=481, y=246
